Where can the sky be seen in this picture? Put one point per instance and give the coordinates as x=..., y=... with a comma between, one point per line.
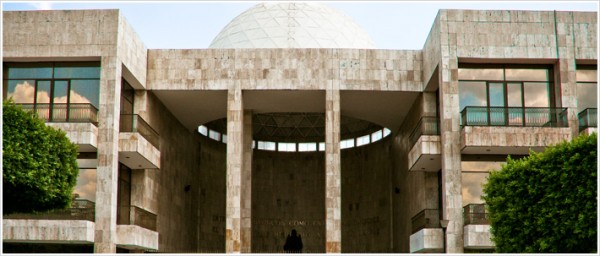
x=193, y=24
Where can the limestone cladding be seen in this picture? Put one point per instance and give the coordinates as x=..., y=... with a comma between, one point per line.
x=47, y=231
x=426, y=145
x=134, y=237
x=478, y=237
x=85, y=135
x=473, y=136
x=277, y=69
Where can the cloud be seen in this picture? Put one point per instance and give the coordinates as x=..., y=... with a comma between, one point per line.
x=45, y=5
x=86, y=184
x=24, y=93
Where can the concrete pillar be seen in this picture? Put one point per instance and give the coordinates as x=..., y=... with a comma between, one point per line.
x=450, y=139
x=333, y=184
x=235, y=156
x=108, y=156
x=246, y=213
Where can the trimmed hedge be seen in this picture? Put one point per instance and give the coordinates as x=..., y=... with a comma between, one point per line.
x=39, y=163
x=547, y=202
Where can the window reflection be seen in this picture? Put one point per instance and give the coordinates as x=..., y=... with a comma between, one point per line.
x=86, y=184
x=536, y=95
x=474, y=175
x=480, y=74
x=522, y=74
x=587, y=87
x=472, y=94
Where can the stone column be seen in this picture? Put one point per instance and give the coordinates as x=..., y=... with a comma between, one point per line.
x=246, y=212
x=450, y=139
x=333, y=185
x=108, y=156
x=235, y=156
x=567, y=84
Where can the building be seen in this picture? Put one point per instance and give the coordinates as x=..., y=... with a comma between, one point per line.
x=227, y=149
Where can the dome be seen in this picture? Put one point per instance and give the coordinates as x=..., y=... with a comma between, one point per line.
x=292, y=25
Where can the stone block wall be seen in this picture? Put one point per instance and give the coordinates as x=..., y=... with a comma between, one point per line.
x=288, y=192
x=277, y=69
x=180, y=153
x=211, y=206
x=366, y=198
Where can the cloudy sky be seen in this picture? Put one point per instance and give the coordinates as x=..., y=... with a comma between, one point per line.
x=194, y=24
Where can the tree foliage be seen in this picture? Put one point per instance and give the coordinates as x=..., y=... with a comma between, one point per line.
x=39, y=163
x=546, y=202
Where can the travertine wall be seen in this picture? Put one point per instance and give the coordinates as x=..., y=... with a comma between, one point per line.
x=299, y=69
x=180, y=167
x=413, y=191
x=211, y=206
x=288, y=192
x=366, y=198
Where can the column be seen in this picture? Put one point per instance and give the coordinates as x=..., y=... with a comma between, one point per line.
x=246, y=195
x=108, y=157
x=333, y=185
x=450, y=139
x=235, y=156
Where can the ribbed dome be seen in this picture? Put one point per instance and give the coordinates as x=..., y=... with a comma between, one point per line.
x=292, y=25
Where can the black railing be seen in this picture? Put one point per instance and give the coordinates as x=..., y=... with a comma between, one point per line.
x=514, y=116
x=475, y=214
x=588, y=118
x=428, y=218
x=62, y=112
x=427, y=125
x=133, y=215
x=80, y=209
x=135, y=123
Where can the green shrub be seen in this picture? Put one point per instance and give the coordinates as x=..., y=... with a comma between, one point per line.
x=547, y=202
x=39, y=163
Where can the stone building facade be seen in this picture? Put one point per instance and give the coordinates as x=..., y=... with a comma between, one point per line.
x=229, y=149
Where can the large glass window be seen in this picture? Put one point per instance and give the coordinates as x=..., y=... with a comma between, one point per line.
x=53, y=88
x=498, y=93
x=587, y=87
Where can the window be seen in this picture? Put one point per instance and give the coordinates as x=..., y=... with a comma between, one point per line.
x=587, y=86
x=474, y=174
x=386, y=132
x=203, y=130
x=321, y=146
x=287, y=147
x=86, y=184
x=363, y=140
x=224, y=138
x=376, y=136
x=57, y=91
x=266, y=145
x=307, y=147
x=214, y=135
x=506, y=94
x=349, y=143
x=504, y=86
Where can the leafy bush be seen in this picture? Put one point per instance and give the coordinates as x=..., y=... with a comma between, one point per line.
x=39, y=163
x=547, y=202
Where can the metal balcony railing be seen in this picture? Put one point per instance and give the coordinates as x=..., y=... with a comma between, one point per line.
x=427, y=125
x=133, y=215
x=588, y=118
x=514, y=116
x=62, y=112
x=80, y=209
x=428, y=218
x=135, y=123
x=475, y=214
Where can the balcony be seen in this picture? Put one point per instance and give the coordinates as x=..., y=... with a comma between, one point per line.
x=73, y=225
x=136, y=229
x=512, y=130
x=588, y=121
x=427, y=234
x=138, y=143
x=425, y=153
x=78, y=121
x=477, y=227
